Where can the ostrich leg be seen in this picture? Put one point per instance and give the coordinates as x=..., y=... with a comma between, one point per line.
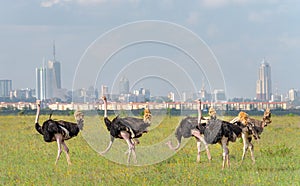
x=67, y=152
x=58, y=138
x=199, y=150
x=109, y=145
x=246, y=145
x=200, y=139
x=131, y=148
x=206, y=148
x=251, y=147
x=224, y=142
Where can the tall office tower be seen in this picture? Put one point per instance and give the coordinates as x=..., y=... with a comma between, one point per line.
x=219, y=95
x=5, y=88
x=40, y=90
x=53, y=76
x=264, y=82
x=104, y=90
x=124, y=86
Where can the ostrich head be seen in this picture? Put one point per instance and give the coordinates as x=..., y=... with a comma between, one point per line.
x=212, y=113
x=243, y=118
x=104, y=98
x=79, y=118
x=147, y=115
x=267, y=117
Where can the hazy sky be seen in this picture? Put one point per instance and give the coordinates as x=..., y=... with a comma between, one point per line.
x=240, y=33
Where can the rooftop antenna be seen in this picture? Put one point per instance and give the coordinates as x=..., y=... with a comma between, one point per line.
x=203, y=84
x=43, y=62
x=54, y=50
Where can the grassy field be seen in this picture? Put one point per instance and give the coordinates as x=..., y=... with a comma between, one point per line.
x=27, y=160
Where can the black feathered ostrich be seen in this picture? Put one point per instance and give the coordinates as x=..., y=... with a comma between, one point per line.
x=215, y=131
x=222, y=132
x=192, y=126
x=251, y=127
x=59, y=131
x=127, y=128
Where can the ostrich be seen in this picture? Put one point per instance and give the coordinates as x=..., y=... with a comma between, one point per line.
x=251, y=127
x=59, y=131
x=222, y=132
x=192, y=126
x=128, y=128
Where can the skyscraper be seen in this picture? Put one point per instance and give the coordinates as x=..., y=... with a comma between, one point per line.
x=124, y=86
x=5, y=87
x=53, y=76
x=40, y=90
x=104, y=90
x=48, y=79
x=264, y=82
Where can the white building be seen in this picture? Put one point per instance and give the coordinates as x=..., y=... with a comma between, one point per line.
x=264, y=83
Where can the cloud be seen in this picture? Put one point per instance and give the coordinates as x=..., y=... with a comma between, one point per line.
x=49, y=3
x=214, y=3
x=212, y=30
x=221, y=3
x=289, y=41
x=260, y=17
x=91, y=2
x=193, y=18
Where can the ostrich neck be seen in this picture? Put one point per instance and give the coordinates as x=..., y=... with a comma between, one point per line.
x=37, y=114
x=199, y=113
x=105, y=108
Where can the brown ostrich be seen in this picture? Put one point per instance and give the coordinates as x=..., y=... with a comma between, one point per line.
x=214, y=131
x=251, y=128
x=127, y=128
x=59, y=131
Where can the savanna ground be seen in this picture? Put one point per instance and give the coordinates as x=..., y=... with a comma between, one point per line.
x=27, y=160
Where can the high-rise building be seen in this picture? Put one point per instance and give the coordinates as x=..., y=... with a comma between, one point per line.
x=40, y=89
x=104, y=90
x=5, y=87
x=293, y=95
x=219, y=95
x=53, y=76
x=48, y=79
x=124, y=86
x=264, y=82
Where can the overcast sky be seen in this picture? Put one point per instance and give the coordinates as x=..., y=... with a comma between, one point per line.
x=240, y=33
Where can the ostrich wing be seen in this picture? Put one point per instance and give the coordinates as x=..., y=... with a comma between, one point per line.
x=70, y=129
x=138, y=126
x=186, y=126
x=231, y=131
x=257, y=125
x=213, y=131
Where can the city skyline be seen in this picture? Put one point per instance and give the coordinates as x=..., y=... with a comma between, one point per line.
x=239, y=33
x=48, y=79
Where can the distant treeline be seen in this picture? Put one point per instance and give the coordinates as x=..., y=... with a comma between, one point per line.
x=139, y=112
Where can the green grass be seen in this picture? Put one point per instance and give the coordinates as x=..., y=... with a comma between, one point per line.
x=27, y=160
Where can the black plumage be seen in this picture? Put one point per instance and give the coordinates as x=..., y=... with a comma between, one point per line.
x=59, y=130
x=135, y=126
x=216, y=129
x=192, y=126
x=186, y=126
x=127, y=128
x=52, y=127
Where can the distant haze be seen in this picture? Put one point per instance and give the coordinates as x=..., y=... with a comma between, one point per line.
x=240, y=34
